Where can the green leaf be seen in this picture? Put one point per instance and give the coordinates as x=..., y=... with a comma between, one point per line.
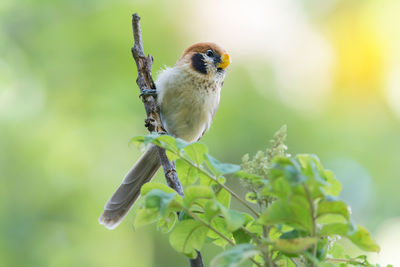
x=188, y=236
x=234, y=219
x=165, y=141
x=289, y=169
x=145, y=216
x=220, y=225
x=165, y=224
x=312, y=166
x=157, y=198
x=180, y=143
x=221, y=168
x=150, y=137
x=280, y=188
x=322, y=248
x=172, y=156
x=336, y=250
x=251, y=197
x=211, y=209
x=207, y=180
x=254, y=228
x=147, y=187
x=294, y=245
x=254, y=179
x=334, y=229
x=241, y=236
x=323, y=179
x=331, y=218
x=333, y=187
x=285, y=261
x=333, y=207
x=294, y=212
x=358, y=235
x=223, y=197
x=175, y=205
x=186, y=173
x=137, y=140
x=184, y=216
x=295, y=233
x=362, y=238
x=195, y=193
x=234, y=256
x=248, y=176
x=196, y=152
x=312, y=259
x=221, y=179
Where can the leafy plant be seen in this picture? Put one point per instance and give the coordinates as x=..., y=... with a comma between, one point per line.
x=294, y=215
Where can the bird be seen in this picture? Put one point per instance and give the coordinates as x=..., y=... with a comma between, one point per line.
x=188, y=95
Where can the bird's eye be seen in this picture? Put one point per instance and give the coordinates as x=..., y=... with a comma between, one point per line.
x=210, y=53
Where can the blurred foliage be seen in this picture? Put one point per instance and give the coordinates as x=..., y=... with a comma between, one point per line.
x=69, y=106
x=297, y=221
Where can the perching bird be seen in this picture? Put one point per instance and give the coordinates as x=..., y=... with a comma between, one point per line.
x=188, y=95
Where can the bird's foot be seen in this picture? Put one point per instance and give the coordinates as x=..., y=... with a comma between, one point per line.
x=148, y=92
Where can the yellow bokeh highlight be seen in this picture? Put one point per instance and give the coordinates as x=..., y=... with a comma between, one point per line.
x=360, y=64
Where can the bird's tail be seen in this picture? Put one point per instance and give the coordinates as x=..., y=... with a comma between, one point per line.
x=122, y=200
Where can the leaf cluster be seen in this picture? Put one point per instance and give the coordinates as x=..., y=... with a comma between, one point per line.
x=294, y=216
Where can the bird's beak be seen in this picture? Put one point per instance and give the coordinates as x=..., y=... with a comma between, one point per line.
x=225, y=61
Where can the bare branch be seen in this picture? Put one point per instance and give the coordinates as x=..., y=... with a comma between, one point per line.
x=145, y=80
x=153, y=121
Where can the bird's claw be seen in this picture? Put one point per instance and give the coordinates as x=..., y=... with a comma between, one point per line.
x=148, y=92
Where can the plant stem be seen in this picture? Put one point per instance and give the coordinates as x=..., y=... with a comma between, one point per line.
x=263, y=204
x=313, y=217
x=267, y=258
x=194, y=216
x=209, y=226
x=254, y=236
x=238, y=198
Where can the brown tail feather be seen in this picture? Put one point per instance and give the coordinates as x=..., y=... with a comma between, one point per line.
x=122, y=200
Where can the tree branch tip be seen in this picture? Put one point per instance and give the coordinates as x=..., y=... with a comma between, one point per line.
x=136, y=16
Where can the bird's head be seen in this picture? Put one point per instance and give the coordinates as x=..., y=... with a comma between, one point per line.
x=206, y=59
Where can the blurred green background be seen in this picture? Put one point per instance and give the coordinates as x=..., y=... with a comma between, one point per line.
x=69, y=105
